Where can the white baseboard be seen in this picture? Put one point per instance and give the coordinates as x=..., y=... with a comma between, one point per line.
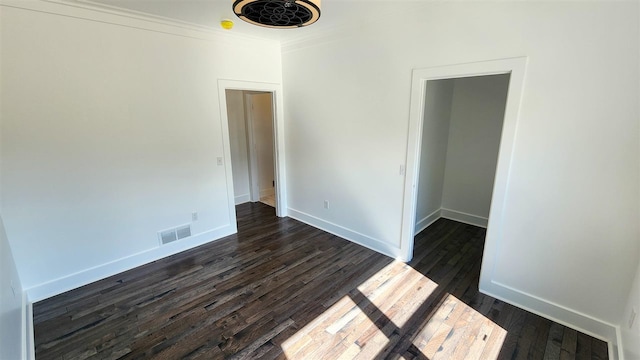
x=562, y=315
x=73, y=281
x=241, y=199
x=347, y=234
x=464, y=217
x=427, y=220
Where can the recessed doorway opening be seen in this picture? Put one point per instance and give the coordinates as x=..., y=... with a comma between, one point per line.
x=253, y=131
x=465, y=149
x=251, y=136
x=461, y=131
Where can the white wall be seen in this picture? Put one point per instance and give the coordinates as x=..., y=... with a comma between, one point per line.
x=570, y=234
x=238, y=141
x=11, y=293
x=631, y=335
x=433, y=157
x=110, y=132
x=477, y=115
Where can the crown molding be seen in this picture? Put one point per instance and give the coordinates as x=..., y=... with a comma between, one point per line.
x=92, y=11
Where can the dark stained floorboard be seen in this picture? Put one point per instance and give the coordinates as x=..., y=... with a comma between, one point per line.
x=280, y=289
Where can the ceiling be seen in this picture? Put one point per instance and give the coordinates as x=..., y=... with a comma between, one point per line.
x=208, y=13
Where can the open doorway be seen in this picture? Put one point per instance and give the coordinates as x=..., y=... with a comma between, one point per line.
x=461, y=131
x=242, y=164
x=251, y=137
x=513, y=71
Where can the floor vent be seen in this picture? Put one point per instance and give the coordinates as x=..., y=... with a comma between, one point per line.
x=174, y=234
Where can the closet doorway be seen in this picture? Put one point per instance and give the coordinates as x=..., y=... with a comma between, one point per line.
x=462, y=129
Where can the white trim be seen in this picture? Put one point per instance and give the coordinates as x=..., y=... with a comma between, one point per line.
x=279, y=137
x=84, y=277
x=514, y=66
x=428, y=220
x=30, y=342
x=562, y=315
x=92, y=11
x=465, y=218
x=619, y=346
x=24, y=326
x=241, y=199
x=27, y=343
x=345, y=233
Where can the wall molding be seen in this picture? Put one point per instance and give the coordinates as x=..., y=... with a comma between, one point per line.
x=241, y=199
x=562, y=315
x=345, y=233
x=454, y=215
x=103, y=271
x=619, y=346
x=30, y=342
x=428, y=220
x=463, y=217
x=24, y=327
x=112, y=15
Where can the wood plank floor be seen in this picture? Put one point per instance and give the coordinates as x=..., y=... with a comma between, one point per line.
x=280, y=289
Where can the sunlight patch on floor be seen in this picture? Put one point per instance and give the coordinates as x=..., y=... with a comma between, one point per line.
x=374, y=318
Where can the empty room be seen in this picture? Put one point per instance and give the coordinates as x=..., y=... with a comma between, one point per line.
x=306, y=179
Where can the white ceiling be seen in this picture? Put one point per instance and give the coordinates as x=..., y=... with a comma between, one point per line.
x=208, y=13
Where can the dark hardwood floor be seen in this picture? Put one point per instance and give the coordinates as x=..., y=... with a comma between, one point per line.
x=282, y=289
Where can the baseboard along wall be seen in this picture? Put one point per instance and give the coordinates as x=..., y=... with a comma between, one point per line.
x=73, y=281
x=347, y=234
x=458, y=216
x=562, y=315
x=241, y=199
x=547, y=309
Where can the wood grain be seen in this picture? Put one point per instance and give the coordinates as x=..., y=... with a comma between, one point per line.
x=280, y=289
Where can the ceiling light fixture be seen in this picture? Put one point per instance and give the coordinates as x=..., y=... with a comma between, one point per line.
x=279, y=14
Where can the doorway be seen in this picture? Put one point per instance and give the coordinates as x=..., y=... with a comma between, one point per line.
x=253, y=129
x=461, y=130
x=514, y=68
x=251, y=137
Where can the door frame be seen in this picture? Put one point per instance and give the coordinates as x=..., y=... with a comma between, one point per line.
x=516, y=68
x=278, y=137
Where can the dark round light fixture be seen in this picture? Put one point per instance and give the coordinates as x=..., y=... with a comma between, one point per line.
x=279, y=14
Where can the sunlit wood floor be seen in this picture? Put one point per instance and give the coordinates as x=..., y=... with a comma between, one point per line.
x=282, y=289
x=269, y=200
